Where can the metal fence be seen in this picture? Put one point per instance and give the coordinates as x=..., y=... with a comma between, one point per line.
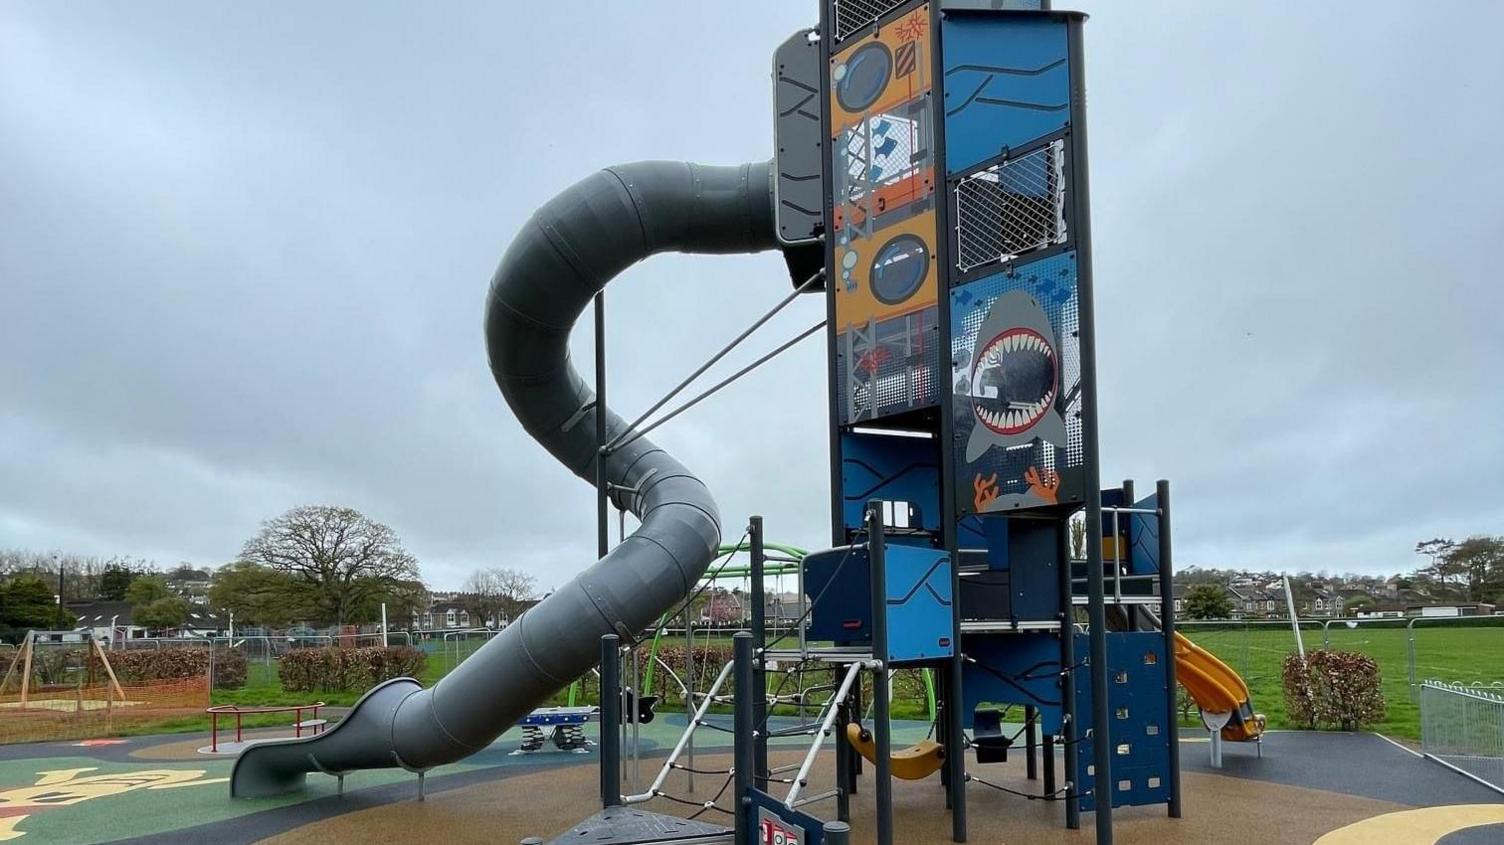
x=1462, y=727
x=1462, y=649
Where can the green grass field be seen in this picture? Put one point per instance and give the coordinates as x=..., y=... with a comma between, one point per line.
x=1443, y=651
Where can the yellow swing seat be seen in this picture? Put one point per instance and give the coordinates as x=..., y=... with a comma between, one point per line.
x=916, y=762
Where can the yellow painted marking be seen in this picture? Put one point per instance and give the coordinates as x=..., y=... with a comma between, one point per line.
x=204, y=782
x=65, y=787
x=1424, y=826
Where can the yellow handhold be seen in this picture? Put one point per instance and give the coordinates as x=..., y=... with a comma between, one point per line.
x=913, y=763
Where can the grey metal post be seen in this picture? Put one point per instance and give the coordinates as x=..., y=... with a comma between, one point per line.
x=1068, y=731
x=1090, y=434
x=743, y=740
x=610, y=721
x=1048, y=752
x=602, y=528
x=1167, y=624
x=837, y=833
x=1031, y=760
x=844, y=772
x=689, y=691
x=759, y=689
x=881, y=727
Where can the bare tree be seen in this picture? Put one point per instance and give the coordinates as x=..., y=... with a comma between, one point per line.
x=500, y=593
x=342, y=556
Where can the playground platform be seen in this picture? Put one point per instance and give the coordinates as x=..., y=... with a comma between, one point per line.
x=1326, y=788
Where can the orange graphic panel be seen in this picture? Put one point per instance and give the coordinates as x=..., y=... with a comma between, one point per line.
x=892, y=273
x=874, y=74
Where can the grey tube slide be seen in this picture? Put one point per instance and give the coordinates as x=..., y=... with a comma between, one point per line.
x=568, y=251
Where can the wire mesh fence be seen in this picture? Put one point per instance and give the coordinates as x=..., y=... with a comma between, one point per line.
x=1466, y=650
x=1011, y=208
x=1463, y=727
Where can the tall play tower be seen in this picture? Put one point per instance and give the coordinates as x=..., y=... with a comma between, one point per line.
x=954, y=220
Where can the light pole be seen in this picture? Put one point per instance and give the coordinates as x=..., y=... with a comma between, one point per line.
x=58, y=562
x=113, y=631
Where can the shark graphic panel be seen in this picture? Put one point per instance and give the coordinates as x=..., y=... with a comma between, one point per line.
x=1015, y=373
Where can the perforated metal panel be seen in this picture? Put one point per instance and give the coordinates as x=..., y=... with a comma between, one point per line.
x=852, y=15
x=889, y=366
x=1000, y=477
x=1011, y=209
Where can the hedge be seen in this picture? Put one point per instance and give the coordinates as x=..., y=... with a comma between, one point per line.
x=1333, y=689
x=347, y=669
x=146, y=665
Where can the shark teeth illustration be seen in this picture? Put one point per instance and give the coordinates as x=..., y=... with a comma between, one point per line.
x=1014, y=381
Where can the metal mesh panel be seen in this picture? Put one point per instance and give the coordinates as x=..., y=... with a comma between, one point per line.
x=852, y=15
x=880, y=150
x=1012, y=208
x=1463, y=727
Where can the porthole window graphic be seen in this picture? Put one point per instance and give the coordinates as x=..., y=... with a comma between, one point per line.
x=863, y=77
x=899, y=268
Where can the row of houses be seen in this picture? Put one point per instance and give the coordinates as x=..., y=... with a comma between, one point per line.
x=1251, y=599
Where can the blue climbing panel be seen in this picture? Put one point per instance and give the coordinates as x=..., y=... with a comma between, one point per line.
x=1138, y=705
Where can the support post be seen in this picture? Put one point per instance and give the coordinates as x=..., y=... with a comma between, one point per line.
x=1090, y=436
x=602, y=500
x=109, y=671
x=955, y=719
x=881, y=724
x=1167, y=625
x=689, y=691
x=30, y=648
x=1031, y=748
x=844, y=773
x=759, y=687
x=744, y=741
x=1068, y=730
x=837, y=833
x=610, y=721
x=1048, y=752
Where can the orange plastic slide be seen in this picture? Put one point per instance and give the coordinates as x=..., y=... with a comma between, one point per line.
x=1216, y=688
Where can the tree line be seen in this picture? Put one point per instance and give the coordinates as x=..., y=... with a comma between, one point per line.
x=316, y=564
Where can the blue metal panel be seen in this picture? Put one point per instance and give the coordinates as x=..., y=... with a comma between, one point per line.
x=1019, y=669
x=771, y=822
x=919, y=604
x=839, y=583
x=1143, y=537
x=1033, y=560
x=894, y=469
x=1007, y=82
x=840, y=592
x=1137, y=698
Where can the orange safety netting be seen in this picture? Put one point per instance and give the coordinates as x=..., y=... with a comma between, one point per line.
x=77, y=700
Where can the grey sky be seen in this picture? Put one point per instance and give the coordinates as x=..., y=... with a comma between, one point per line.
x=244, y=250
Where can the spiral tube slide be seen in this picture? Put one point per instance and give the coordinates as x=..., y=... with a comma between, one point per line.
x=567, y=252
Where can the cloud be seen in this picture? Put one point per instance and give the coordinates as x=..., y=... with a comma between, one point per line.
x=243, y=257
